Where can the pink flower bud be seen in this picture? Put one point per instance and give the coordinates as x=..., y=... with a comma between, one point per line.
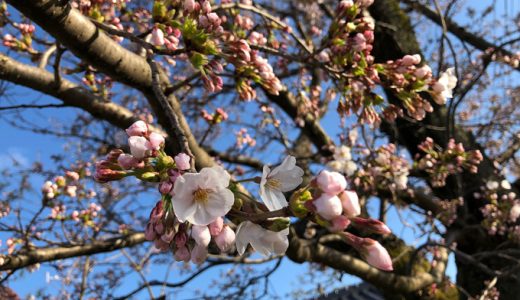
x=165, y=187
x=72, y=175
x=156, y=141
x=127, y=161
x=182, y=254
x=157, y=37
x=206, y=7
x=167, y=237
x=376, y=255
x=71, y=190
x=409, y=60
x=331, y=183
x=423, y=72
x=328, y=206
x=149, y=233
x=189, y=5
x=138, y=146
x=339, y=223
x=199, y=254
x=161, y=245
x=180, y=239
x=350, y=203
x=201, y=235
x=216, y=226
x=226, y=239
x=373, y=225
x=182, y=160
x=139, y=128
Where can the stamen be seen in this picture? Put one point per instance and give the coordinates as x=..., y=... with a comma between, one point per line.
x=273, y=183
x=201, y=195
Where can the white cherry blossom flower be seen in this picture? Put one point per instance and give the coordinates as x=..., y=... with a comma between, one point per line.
x=200, y=198
x=262, y=240
x=444, y=86
x=286, y=177
x=343, y=160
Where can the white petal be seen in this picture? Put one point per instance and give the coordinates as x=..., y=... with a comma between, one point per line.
x=182, y=202
x=288, y=163
x=273, y=199
x=218, y=205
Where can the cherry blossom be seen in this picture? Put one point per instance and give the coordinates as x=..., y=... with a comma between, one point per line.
x=286, y=177
x=262, y=240
x=444, y=86
x=200, y=198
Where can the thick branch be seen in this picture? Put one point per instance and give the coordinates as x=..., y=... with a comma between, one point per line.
x=302, y=250
x=68, y=92
x=24, y=259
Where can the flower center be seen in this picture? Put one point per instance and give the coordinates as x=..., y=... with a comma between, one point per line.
x=201, y=195
x=273, y=183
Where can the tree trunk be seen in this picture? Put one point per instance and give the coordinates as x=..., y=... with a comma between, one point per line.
x=392, y=41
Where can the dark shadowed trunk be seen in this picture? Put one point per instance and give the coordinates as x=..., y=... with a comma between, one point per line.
x=392, y=41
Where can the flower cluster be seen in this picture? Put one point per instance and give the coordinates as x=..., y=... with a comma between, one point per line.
x=67, y=185
x=250, y=66
x=348, y=46
x=24, y=43
x=244, y=139
x=502, y=211
x=86, y=216
x=145, y=156
x=332, y=206
x=194, y=205
x=385, y=169
x=439, y=164
x=217, y=117
x=342, y=161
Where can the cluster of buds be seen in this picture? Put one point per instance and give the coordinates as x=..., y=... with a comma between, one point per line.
x=217, y=117
x=100, y=85
x=86, y=216
x=100, y=10
x=448, y=211
x=145, y=158
x=342, y=161
x=191, y=203
x=332, y=206
x=244, y=139
x=168, y=38
x=188, y=242
x=513, y=60
x=502, y=211
x=67, y=185
x=439, y=164
x=24, y=43
x=386, y=170
x=251, y=67
x=408, y=79
x=210, y=78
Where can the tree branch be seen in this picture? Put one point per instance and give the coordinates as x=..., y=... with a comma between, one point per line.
x=473, y=39
x=24, y=259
